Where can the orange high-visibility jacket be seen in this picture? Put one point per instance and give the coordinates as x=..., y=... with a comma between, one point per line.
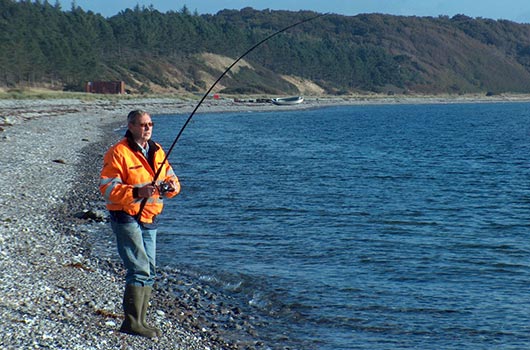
x=125, y=169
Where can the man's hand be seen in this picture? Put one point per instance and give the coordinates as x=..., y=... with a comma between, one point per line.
x=146, y=191
x=175, y=186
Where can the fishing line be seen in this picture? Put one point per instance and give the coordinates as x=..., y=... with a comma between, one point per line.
x=144, y=201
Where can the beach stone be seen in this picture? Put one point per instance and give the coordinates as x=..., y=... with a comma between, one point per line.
x=96, y=215
x=160, y=313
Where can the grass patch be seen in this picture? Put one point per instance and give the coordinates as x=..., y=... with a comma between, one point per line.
x=48, y=94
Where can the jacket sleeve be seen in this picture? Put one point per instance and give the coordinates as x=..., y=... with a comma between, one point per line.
x=113, y=185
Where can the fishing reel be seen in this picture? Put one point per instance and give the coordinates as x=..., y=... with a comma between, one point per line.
x=164, y=187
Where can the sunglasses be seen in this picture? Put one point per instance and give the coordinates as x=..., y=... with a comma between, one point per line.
x=144, y=125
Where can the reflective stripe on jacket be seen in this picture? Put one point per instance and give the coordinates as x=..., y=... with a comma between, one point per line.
x=126, y=168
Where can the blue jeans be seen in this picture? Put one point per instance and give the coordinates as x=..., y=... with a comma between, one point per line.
x=137, y=249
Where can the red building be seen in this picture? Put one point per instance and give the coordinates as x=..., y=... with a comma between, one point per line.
x=105, y=87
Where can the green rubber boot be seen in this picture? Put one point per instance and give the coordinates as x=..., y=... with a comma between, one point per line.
x=147, y=295
x=133, y=301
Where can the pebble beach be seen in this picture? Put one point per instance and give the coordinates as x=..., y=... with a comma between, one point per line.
x=61, y=282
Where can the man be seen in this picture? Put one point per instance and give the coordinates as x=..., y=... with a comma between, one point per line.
x=127, y=180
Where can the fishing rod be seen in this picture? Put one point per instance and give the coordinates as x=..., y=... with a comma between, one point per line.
x=144, y=201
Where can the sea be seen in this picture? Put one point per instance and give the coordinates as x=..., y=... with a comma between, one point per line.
x=360, y=227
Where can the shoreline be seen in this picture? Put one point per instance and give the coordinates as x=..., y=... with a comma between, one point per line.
x=58, y=287
x=55, y=292
x=31, y=107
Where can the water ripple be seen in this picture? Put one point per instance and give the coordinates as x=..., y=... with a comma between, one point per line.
x=363, y=227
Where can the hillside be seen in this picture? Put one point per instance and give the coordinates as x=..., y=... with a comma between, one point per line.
x=47, y=46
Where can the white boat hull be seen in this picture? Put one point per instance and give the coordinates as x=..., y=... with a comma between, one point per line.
x=288, y=100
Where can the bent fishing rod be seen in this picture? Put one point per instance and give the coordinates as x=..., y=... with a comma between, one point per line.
x=144, y=201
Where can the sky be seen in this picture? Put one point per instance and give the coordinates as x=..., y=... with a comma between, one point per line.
x=513, y=10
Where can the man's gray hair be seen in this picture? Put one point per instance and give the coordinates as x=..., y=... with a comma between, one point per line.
x=133, y=115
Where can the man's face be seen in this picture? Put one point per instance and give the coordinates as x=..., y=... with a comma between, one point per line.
x=142, y=128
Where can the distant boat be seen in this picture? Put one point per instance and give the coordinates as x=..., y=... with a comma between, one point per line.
x=288, y=100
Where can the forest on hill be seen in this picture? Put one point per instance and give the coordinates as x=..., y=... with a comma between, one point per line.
x=44, y=45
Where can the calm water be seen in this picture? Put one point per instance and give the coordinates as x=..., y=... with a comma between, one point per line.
x=361, y=227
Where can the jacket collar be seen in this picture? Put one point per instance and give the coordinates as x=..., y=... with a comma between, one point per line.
x=153, y=147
